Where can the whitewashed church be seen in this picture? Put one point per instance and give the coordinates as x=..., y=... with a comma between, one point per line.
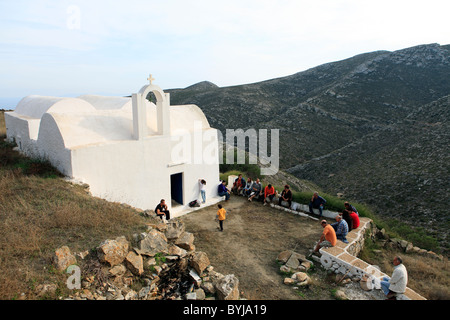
x=128, y=150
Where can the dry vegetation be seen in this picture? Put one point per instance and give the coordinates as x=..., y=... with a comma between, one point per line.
x=40, y=212
x=427, y=276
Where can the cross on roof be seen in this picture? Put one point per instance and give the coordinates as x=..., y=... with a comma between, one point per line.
x=151, y=79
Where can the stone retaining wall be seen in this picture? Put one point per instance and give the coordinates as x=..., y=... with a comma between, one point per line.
x=342, y=258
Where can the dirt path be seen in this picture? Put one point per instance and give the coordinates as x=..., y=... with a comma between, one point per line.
x=253, y=237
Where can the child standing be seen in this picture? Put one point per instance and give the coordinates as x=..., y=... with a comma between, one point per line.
x=221, y=216
x=202, y=184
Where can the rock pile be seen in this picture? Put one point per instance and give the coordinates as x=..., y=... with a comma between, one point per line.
x=159, y=264
x=297, y=265
x=408, y=247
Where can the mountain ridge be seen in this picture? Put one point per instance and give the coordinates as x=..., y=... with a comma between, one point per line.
x=356, y=105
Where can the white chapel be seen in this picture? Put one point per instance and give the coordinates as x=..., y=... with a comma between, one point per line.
x=128, y=150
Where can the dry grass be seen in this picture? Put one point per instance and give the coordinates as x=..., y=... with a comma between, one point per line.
x=427, y=276
x=40, y=212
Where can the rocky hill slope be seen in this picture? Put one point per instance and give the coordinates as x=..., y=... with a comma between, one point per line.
x=374, y=127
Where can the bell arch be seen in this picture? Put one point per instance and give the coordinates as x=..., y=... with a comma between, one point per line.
x=140, y=115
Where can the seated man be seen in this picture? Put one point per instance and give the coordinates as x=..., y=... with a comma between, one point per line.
x=223, y=191
x=341, y=228
x=355, y=218
x=286, y=195
x=349, y=207
x=328, y=238
x=346, y=216
x=238, y=185
x=256, y=190
x=269, y=194
x=248, y=188
x=316, y=202
x=161, y=210
x=397, y=283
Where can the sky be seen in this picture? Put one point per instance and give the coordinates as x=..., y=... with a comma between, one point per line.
x=67, y=48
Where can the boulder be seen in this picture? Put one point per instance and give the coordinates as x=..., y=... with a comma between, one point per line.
x=295, y=260
x=284, y=256
x=113, y=252
x=177, y=251
x=118, y=270
x=228, y=288
x=135, y=263
x=305, y=265
x=174, y=229
x=186, y=241
x=154, y=242
x=300, y=276
x=63, y=258
x=208, y=287
x=199, y=262
x=406, y=246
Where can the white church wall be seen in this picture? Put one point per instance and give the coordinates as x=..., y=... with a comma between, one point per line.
x=50, y=145
x=133, y=172
x=91, y=139
x=198, y=154
x=23, y=131
x=139, y=172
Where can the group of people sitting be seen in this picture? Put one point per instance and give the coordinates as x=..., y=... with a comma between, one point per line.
x=346, y=221
x=254, y=190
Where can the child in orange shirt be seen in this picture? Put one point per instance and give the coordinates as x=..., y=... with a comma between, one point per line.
x=221, y=216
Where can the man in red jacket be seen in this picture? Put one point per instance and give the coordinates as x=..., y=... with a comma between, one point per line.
x=269, y=192
x=355, y=218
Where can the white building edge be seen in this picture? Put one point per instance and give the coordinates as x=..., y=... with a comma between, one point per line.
x=128, y=150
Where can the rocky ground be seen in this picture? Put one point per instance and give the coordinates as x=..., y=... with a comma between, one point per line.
x=249, y=247
x=262, y=254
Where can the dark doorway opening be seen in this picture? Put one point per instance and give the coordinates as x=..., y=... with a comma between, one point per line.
x=176, y=188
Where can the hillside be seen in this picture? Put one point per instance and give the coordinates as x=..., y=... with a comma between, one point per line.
x=401, y=169
x=355, y=126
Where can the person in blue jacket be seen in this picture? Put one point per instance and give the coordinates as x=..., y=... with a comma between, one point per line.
x=223, y=191
x=317, y=202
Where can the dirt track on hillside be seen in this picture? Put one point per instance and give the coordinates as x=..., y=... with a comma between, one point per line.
x=253, y=237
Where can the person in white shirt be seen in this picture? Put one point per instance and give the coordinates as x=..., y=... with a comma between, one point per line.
x=202, y=184
x=247, y=189
x=397, y=283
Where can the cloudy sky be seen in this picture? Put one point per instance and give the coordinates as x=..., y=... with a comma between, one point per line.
x=69, y=48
